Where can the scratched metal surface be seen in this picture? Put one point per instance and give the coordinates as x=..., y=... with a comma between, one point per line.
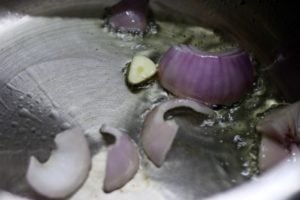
x=57, y=72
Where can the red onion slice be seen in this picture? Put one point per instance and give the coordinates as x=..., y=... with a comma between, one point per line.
x=271, y=153
x=129, y=16
x=281, y=135
x=213, y=78
x=66, y=169
x=122, y=160
x=282, y=124
x=158, y=134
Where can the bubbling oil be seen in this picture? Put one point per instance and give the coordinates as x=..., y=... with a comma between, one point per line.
x=234, y=125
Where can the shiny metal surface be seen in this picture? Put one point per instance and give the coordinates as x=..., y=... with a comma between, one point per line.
x=60, y=68
x=280, y=183
x=58, y=72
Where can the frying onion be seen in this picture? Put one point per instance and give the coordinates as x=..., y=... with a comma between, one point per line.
x=66, y=169
x=213, y=78
x=129, y=16
x=158, y=134
x=122, y=160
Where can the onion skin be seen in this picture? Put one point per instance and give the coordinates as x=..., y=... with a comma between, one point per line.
x=213, y=78
x=158, y=134
x=122, y=160
x=129, y=16
x=280, y=131
x=66, y=169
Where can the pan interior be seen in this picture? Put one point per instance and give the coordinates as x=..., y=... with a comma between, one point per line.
x=59, y=72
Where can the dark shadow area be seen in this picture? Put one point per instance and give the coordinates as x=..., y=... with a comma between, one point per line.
x=261, y=27
x=285, y=73
x=295, y=197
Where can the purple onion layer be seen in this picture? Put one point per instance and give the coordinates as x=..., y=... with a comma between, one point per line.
x=158, y=134
x=213, y=78
x=129, y=16
x=122, y=160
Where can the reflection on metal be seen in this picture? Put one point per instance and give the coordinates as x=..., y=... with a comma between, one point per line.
x=57, y=72
x=280, y=183
x=71, y=70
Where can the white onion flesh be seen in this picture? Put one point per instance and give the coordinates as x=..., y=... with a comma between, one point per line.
x=282, y=124
x=212, y=78
x=66, y=169
x=271, y=153
x=158, y=134
x=122, y=160
x=281, y=136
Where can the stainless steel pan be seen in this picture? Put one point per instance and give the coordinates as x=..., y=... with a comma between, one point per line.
x=60, y=65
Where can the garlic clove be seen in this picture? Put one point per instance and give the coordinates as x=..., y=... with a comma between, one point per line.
x=141, y=69
x=66, y=169
x=158, y=135
x=122, y=160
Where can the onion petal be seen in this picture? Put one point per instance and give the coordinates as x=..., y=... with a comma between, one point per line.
x=271, y=153
x=280, y=131
x=122, y=160
x=282, y=125
x=213, y=78
x=158, y=134
x=129, y=16
x=66, y=169
x=9, y=196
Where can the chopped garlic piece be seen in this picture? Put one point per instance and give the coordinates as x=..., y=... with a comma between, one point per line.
x=141, y=69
